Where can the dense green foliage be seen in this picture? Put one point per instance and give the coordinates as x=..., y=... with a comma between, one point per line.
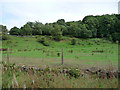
x=73, y=42
x=3, y=29
x=3, y=33
x=5, y=37
x=43, y=40
x=15, y=31
x=105, y=26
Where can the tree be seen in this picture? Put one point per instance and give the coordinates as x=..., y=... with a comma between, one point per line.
x=4, y=33
x=56, y=32
x=73, y=29
x=26, y=30
x=37, y=29
x=3, y=29
x=116, y=37
x=85, y=33
x=14, y=31
x=61, y=22
x=117, y=24
x=64, y=30
x=47, y=28
x=106, y=26
x=92, y=24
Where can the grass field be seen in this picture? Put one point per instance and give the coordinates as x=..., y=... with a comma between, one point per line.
x=25, y=49
x=86, y=53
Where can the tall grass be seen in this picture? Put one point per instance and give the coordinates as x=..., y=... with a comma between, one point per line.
x=52, y=78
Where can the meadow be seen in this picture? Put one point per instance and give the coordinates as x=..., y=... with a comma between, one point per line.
x=87, y=53
x=89, y=50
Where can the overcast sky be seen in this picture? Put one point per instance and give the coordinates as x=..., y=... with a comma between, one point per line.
x=18, y=12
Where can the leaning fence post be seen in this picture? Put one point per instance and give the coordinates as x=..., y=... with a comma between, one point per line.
x=62, y=57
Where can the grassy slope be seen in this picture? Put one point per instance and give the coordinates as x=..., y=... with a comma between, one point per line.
x=81, y=52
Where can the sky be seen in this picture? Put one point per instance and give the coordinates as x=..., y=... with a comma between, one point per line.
x=18, y=12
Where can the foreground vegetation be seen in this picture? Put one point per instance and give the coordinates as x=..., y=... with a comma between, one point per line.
x=23, y=77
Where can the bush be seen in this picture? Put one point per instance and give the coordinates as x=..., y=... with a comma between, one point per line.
x=73, y=42
x=44, y=41
x=5, y=37
x=57, y=37
x=74, y=73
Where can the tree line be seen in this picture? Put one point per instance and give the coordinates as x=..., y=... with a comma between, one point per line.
x=104, y=26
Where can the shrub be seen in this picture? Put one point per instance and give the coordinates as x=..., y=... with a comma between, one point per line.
x=57, y=37
x=74, y=73
x=44, y=41
x=5, y=37
x=73, y=42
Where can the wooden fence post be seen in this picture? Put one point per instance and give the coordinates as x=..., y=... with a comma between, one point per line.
x=62, y=57
x=8, y=55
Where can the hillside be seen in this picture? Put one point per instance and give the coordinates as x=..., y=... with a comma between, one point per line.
x=89, y=51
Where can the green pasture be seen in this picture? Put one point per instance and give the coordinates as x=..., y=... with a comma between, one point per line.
x=28, y=47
